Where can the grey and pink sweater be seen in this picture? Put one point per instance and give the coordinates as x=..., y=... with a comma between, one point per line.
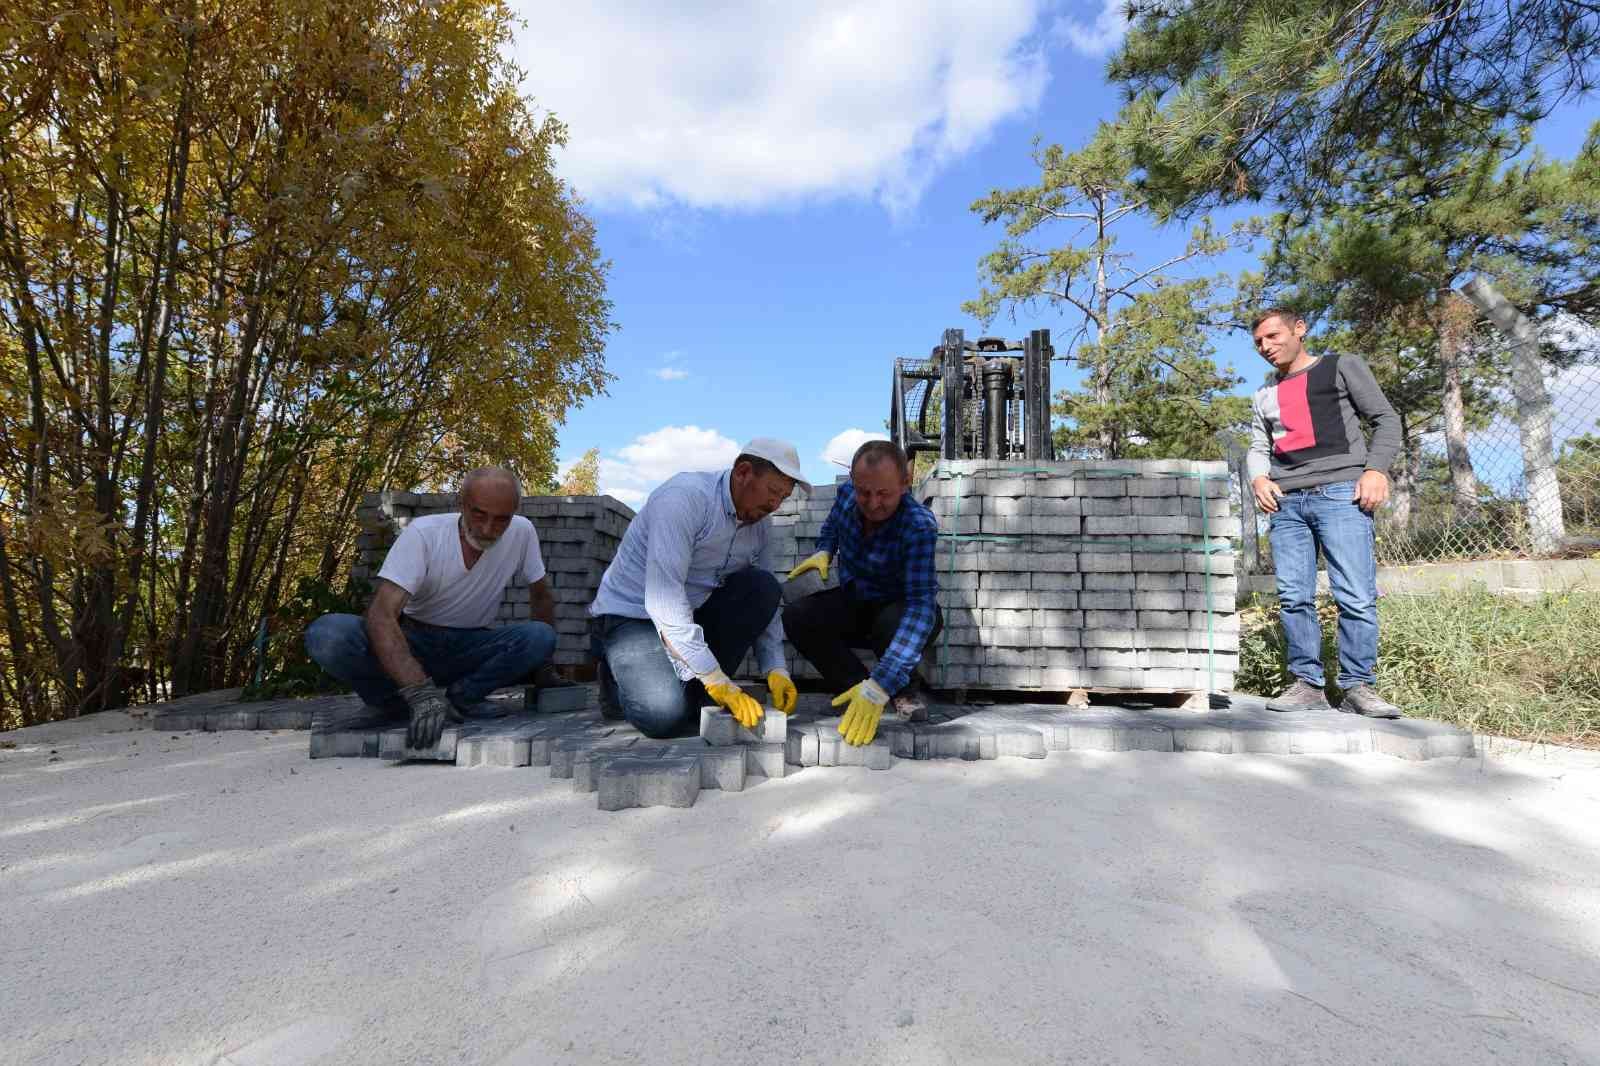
x=1305, y=428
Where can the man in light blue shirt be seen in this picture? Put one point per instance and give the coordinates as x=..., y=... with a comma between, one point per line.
x=691, y=591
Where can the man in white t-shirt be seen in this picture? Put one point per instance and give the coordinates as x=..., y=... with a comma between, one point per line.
x=424, y=650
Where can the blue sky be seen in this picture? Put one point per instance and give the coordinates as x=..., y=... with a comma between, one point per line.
x=784, y=194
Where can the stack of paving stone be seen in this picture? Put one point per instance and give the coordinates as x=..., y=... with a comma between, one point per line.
x=1102, y=576
x=626, y=769
x=578, y=536
x=1064, y=576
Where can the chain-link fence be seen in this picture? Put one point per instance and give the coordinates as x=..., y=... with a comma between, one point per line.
x=1522, y=480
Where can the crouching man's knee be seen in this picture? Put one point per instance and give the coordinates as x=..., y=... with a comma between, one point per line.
x=334, y=640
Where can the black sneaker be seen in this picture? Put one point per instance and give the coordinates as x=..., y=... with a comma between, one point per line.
x=1300, y=696
x=1364, y=700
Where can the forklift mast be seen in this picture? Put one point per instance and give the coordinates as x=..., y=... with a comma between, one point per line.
x=992, y=402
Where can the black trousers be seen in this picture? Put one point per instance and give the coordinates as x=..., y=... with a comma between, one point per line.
x=826, y=625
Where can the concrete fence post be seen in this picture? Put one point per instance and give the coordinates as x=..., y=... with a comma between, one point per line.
x=1546, y=526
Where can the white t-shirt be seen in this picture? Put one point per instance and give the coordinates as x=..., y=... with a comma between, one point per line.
x=426, y=562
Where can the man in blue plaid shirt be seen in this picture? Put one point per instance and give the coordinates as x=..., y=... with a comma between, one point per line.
x=882, y=541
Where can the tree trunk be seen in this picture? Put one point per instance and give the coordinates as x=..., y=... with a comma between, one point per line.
x=1452, y=324
x=1403, y=481
x=1546, y=524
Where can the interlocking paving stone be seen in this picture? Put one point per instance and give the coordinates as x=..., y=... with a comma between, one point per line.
x=800, y=746
x=723, y=768
x=645, y=781
x=765, y=760
x=718, y=727
x=563, y=698
x=772, y=728
x=589, y=762
x=217, y=721
x=878, y=755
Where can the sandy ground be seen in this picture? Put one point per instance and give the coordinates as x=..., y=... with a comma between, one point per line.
x=219, y=898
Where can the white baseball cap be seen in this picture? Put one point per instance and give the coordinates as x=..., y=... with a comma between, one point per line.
x=781, y=454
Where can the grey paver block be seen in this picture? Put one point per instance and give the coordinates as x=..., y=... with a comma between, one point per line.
x=1215, y=739
x=351, y=744
x=1261, y=739
x=324, y=745
x=718, y=727
x=828, y=743
x=589, y=762
x=773, y=728
x=284, y=718
x=666, y=781
x=800, y=746
x=878, y=755
x=765, y=760
x=443, y=751
x=1119, y=736
x=218, y=721
x=722, y=768
x=558, y=699
x=1019, y=742
x=184, y=721
x=566, y=749
x=1417, y=739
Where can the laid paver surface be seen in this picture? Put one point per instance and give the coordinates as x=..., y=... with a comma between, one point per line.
x=195, y=897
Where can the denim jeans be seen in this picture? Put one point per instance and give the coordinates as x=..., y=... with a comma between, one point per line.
x=1326, y=517
x=637, y=675
x=467, y=663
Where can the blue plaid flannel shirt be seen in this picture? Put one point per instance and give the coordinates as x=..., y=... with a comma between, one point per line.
x=897, y=563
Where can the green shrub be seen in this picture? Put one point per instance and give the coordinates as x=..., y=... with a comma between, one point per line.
x=1492, y=664
x=289, y=671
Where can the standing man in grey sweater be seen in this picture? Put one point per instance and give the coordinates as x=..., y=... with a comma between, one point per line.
x=1312, y=470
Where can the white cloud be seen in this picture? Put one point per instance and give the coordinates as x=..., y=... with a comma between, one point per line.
x=1099, y=37
x=840, y=450
x=639, y=466
x=757, y=105
x=670, y=373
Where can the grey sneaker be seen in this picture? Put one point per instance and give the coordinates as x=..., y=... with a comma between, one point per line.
x=1364, y=700
x=1300, y=696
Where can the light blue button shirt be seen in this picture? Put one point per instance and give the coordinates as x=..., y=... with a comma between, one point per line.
x=675, y=554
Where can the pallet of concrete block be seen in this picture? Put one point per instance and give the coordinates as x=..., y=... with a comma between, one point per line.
x=1076, y=576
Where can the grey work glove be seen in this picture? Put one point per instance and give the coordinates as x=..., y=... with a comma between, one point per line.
x=430, y=711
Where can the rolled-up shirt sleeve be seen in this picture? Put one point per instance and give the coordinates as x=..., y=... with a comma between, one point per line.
x=893, y=671
x=674, y=518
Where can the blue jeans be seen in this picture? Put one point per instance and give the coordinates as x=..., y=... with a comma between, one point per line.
x=637, y=675
x=467, y=663
x=1326, y=517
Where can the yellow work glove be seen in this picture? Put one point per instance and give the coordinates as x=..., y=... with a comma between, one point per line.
x=746, y=711
x=818, y=562
x=860, y=722
x=781, y=689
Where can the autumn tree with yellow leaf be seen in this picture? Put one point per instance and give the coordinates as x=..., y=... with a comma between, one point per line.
x=256, y=260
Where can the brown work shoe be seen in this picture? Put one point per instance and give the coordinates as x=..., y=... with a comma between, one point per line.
x=1300, y=696
x=1364, y=700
